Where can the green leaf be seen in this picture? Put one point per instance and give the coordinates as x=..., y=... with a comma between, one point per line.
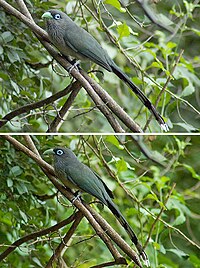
x=9, y=182
x=152, y=196
x=123, y=30
x=115, y=3
x=112, y=139
x=37, y=262
x=1, y=50
x=179, y=253
x=7, y=36
x=179, y=220
x=23, y=215
x=195, y=260
x=187, y=127
x=21, y=188
x=16, y=171
x=121, y=165
x=156, y=245
x=13, y=56
x=188, y=90
x=192, y=171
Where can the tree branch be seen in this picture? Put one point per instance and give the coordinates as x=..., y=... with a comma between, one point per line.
x=152, y=15
x=169, y=78
x=56, y=123
x=35, y=105
x=66, y=238
x=34, y=235
x=114, y=107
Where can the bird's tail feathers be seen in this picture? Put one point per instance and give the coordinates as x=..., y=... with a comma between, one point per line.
x=141, y=96
x=129, y=230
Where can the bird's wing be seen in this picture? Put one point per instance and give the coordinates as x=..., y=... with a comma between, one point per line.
x=106, y=187
x=85, y=44
x=84, y=178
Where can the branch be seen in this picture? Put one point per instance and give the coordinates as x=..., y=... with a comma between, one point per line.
x=67, y=237
x=34, y=235
x=152, y=15
x=160, y=213
x=149, y=154
x=113, y=122
x=114, y=107
x=169, y=78
x=42, y=35
x=54, y=127
x=114, y=236
x=35, y=105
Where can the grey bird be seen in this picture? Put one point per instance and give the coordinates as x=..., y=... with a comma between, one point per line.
x=75, y=174
x=72, y=40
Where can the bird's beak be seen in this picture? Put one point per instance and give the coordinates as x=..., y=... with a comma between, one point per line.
x=47, y=15
x=48, y=152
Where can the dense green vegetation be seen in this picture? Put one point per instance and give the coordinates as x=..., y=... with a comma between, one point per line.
x=154, y=58
x=157, y=191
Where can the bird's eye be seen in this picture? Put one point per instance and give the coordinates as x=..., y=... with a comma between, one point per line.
x=57, y=16
x=59, y=152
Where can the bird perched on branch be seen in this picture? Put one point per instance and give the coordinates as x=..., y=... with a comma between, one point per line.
x=72, y=40
x=74, y=174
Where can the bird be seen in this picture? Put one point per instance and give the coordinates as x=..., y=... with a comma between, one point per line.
x=72, y=40
x=76, y=175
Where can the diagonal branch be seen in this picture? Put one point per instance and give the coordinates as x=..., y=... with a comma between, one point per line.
x=114, y=107
x=34, y=235
x=165, y=86
x=66, y=238
x=35, y=105
x=57, y=122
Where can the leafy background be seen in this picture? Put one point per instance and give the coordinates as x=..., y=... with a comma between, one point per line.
x=26, y=73
x=140, y=186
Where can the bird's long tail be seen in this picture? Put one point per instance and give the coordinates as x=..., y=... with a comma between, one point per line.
x=129, y=230
x=140, y=95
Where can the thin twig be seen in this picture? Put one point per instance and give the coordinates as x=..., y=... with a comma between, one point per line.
x=38, y=104
x=56, y=123
x=165, y=86
x=159, y=214
x=65, y=240
x=34, y=235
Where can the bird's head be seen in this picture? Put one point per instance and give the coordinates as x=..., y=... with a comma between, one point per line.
x=55, y=18
x=61, y=153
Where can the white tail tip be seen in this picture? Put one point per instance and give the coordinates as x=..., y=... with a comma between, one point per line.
x=164, y=127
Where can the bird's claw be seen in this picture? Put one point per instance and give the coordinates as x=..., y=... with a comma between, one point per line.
x=74, y=65
x=77, y=196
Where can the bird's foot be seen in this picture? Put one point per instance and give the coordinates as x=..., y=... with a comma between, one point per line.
x=75, y=64
x=77, y=196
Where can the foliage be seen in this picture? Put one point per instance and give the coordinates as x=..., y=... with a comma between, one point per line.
x=143, y=187
x=148, y=54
